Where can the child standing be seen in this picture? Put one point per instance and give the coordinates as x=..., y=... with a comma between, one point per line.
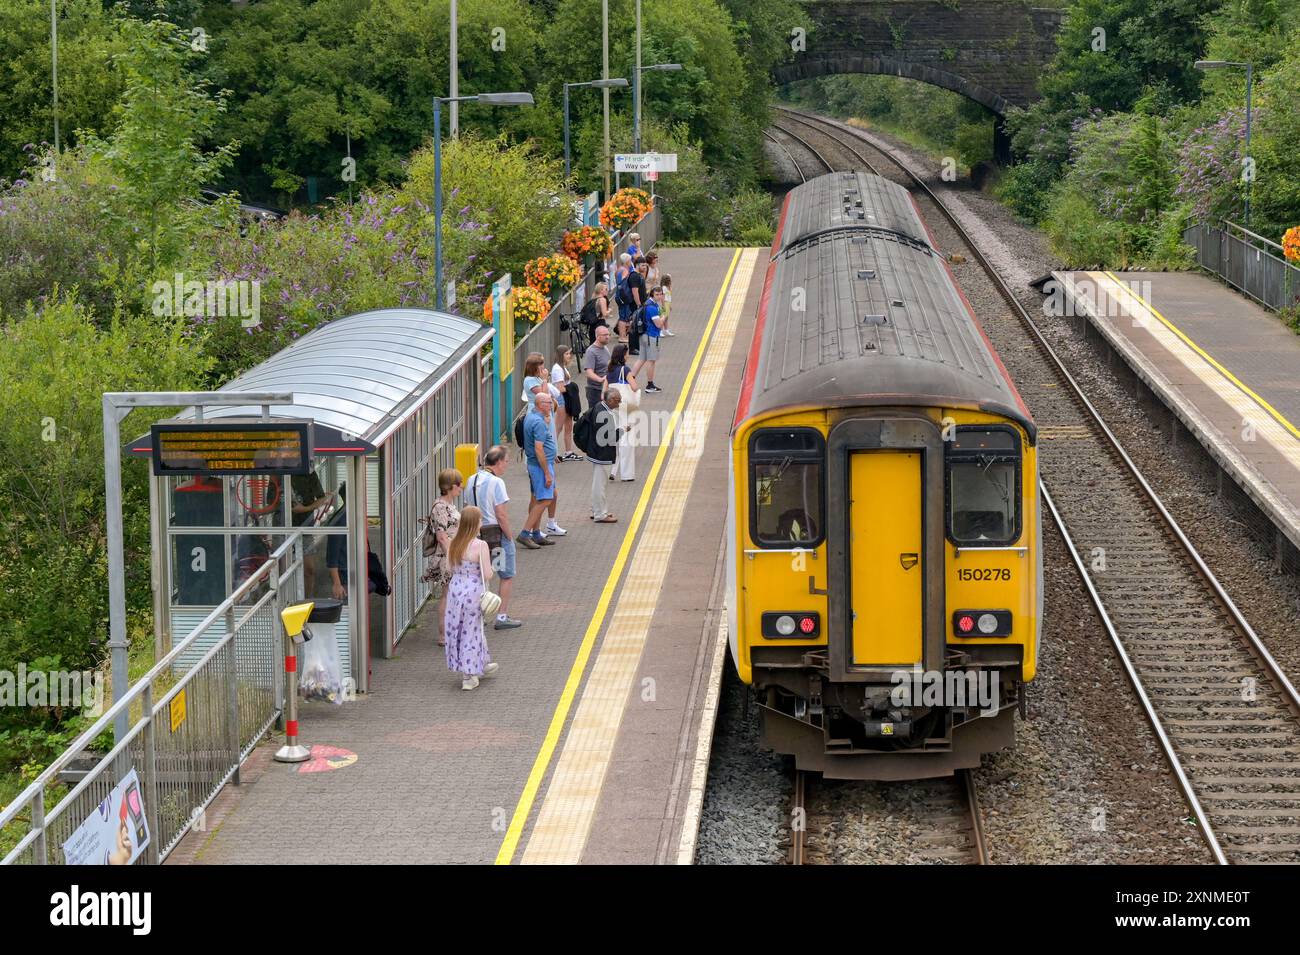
x=467, y=559
x=666, y=283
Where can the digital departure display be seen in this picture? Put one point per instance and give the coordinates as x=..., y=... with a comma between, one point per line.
x=232, y=446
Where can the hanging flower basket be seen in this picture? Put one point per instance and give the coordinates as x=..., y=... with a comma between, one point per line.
x=552, y=275
x=587, y=243
x=625, y=208
x=531, y=306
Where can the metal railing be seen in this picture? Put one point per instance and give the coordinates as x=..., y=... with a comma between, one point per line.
x=546, y=334
x=188, y=731
x=1246, y=261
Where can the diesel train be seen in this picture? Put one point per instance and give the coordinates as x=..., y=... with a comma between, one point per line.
x=884, y=568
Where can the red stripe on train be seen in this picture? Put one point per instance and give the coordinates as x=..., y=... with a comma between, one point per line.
x=751, y=363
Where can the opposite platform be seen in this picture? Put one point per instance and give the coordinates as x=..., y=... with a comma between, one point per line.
x=1229, y=369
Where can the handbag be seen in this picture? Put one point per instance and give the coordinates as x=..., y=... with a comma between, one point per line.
x=489, y=603
x=631, y=400
x=490, y=534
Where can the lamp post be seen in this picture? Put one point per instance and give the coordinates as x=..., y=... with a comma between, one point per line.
x=617, y=82
x=604, y=94
x=1250, y=73
x=636, y=98
x=490, y=99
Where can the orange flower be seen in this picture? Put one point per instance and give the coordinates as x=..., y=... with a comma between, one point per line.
x=587, y=240
x=552, y=273
x=625, y=208
x=1291, y=243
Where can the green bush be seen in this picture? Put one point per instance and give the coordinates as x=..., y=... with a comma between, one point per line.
x=56, y=362
x=1081, y=235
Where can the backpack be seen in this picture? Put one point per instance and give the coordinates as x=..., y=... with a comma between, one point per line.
x=589, y=314
x=582, y=429
x=623, y=294
x=637, y=320
x=519, y=430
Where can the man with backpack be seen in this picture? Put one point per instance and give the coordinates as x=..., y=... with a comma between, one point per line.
x=652, y=315
x=597, y=434
x=637, y=298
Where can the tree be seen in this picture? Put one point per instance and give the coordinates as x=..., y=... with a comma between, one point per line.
x=156, y=153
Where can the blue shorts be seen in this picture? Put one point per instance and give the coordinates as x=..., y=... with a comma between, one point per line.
x=537, y=478
x=503, y=558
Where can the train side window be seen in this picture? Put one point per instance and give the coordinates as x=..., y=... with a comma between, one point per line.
x=983, y=478
x=786, y=487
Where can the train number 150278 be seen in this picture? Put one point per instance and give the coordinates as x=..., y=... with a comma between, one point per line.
x=984, y=573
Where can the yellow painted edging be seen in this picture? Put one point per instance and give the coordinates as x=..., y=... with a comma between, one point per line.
x=1277, y=415
x=543, y=761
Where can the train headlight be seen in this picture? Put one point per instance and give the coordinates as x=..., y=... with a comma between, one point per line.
x=791, y=624
x=981, y=623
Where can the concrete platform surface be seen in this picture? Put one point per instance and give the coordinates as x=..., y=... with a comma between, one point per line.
x=1228, y=368
x=447, y=776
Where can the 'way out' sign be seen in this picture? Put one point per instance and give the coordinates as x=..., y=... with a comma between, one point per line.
x=645, y=162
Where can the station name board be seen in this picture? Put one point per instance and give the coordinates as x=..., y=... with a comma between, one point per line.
x=232, y=446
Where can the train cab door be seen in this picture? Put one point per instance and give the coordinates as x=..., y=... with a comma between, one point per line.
x=886, y=549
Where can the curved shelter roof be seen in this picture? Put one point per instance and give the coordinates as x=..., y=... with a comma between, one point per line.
x=360, y=375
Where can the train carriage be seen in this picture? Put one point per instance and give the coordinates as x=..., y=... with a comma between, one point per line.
x=884, y=568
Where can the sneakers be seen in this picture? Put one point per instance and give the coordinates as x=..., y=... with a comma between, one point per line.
x=670, y=334
x=491, y=668
x=653, y=389
x=527, y=540
x=469, y=683
x=507, y=623
x=556, y=529
x=542, y=540
x=571, y=456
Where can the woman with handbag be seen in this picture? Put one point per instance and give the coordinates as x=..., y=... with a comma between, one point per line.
x=468, y=602
x=439, y=528
x=621, y=379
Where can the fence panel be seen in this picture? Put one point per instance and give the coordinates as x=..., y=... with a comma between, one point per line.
x=1248, y=262
x=189, y=726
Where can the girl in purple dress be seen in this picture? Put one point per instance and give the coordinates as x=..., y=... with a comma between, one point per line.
x=462, y=622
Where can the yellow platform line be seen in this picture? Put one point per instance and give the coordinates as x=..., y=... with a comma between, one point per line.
x=1242, y=386
x=564, y=822
x=543, y=760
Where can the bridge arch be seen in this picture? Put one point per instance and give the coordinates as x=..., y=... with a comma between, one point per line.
x=839, y=63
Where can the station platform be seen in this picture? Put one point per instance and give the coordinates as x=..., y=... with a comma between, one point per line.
x=1226, y=367
x=590, y=744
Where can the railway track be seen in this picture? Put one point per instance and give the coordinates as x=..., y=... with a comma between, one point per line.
x=1226, y=716
x=943, y=818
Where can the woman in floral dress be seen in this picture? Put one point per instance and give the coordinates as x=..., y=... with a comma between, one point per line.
x=467, y=651
x=444, y=517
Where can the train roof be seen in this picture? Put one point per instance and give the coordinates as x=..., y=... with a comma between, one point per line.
x=855, y=313
x=849, y=200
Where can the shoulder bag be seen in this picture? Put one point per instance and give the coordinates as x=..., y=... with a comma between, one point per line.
x=489, y=603
x=490, y=534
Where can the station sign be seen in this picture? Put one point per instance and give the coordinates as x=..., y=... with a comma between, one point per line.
x=645, y=162
x=232, y=446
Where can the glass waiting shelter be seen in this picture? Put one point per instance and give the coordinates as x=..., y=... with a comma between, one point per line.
x=390, y=395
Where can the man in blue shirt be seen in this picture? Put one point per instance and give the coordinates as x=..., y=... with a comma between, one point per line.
x=539, y=450
x=654, y=326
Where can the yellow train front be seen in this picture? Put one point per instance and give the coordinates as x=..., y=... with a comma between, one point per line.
x=884, y=568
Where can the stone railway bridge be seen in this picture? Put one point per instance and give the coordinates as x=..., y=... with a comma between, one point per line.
x=990, y=51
